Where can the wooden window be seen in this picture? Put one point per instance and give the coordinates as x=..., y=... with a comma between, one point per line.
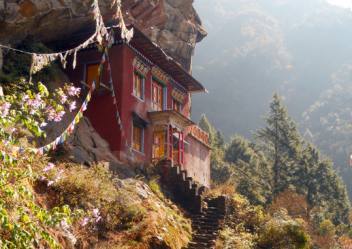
x=92, y=74
x=138, y=137
x=157, y=97
x=138, y=85
x=159, y=144
x=176, y=105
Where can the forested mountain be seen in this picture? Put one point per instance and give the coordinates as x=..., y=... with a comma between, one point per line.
x=281, y=170
x=301, y=49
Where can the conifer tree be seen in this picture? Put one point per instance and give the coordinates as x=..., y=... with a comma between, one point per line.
x=252, y=172
x=220, y=139
x=206, y=126
x=280, y=141
x=237, y=150
x=220, y=172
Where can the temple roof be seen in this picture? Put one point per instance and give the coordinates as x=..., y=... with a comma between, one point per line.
x=158, y=57
x=152, y=52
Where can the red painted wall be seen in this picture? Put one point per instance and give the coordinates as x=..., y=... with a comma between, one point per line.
x=102, y=112
x=197, y=161
x=130, y=104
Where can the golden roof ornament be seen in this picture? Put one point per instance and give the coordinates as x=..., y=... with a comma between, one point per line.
x=160, y=75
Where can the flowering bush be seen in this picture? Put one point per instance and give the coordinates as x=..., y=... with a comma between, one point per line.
x=24, y=223
x=31, y=110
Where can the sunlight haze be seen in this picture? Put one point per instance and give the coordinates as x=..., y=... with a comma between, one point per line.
x=341, y=3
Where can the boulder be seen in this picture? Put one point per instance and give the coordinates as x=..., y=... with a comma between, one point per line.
x=86, y=146
x=51, y=21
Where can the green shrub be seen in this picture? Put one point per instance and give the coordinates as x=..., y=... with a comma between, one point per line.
x=281, y=231
x=327, y=228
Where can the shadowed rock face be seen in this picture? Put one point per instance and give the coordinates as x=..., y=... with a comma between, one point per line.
x=173, y=24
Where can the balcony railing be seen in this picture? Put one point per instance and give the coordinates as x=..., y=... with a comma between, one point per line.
x=199, y=134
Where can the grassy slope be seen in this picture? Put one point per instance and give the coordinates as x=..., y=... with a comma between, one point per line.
x=133, y=215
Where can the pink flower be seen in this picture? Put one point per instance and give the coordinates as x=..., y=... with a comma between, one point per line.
x=72, y=106
x=64, y=224
x=73, y=91
x=5, y=109
x=96, y=215
x=50, y=183
x=42, y=178
x=85, y=221
x=59, y=175
x=35, y=103
x=50, y=113
x=96, y=212
x=38, y=97
x=25, y=97
x=49, y=167
x=58, y=116
x=63, y=99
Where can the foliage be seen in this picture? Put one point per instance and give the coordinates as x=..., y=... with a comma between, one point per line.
x=237, y=150
x=25, y=223
x=281, y=143
x=327, y=228
x=251, y=169
x=281, y=231
x=295, y=204
x=220, y=170
x=249, y=226
x=27, y=112
x=299, y=165
x=282, y=171
x=42, y=201
x=131, y=212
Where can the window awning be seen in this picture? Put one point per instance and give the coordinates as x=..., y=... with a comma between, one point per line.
x=170, y=117
x=137, y=119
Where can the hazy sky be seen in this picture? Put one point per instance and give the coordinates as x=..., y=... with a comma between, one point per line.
x=341, y=3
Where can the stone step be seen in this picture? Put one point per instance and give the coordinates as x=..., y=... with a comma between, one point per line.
x=205, y=230
x=203, y=245
x=206, y=221
x=200, y=245
x=205, y=240
x=206, y=235
x=210, y=216
x=206, y=226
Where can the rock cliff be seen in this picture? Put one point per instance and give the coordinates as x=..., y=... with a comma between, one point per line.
x=173, y=24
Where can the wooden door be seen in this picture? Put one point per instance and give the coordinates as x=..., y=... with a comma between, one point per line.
x=159, y=144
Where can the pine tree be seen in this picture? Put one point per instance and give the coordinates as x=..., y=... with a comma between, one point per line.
x=220, y=139
x=206, y=126
x=317, y=179
x=237, y=150
x=280, y=141
x=220, y=171
x=252, y=172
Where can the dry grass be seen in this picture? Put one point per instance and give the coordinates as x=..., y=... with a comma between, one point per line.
x=228, y=189
x=134, y=215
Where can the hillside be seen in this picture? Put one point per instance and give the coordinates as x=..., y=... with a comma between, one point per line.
x=296, y=48
x=81, y=168
x=293, y=47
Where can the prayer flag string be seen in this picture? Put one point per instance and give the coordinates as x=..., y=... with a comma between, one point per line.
x=58, y=140
x=41, y=60
x=62, y=138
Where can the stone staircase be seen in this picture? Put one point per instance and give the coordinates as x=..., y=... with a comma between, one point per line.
x=207, y=215
x=207, y=224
